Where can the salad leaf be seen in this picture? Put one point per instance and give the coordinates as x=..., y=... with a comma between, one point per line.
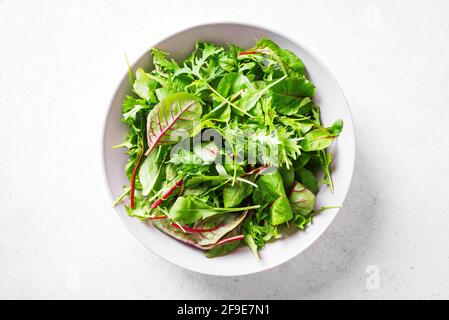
x=271, y=189
x=226, y=146
x=172, y=118
x=320, y=139
x=191, y=209
x=233, y=195
x=293, y=96
x=151, y=171
x=301, y=199
x=308, y=179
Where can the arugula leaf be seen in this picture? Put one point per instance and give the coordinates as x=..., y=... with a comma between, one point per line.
x=326, y=160
x=160, y=60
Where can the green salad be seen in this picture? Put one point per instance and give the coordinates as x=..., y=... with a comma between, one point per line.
x=225, y=148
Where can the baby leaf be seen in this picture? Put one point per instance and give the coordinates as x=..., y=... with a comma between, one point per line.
x=271, y=189
x=232, y=83
x=190, y=209
x=288, y=176
x=321, y=138
x=150, y=172
x=326, y=160
x=287, y=60
x=215, y=230
x=251, y=97
x=293, y=96
x=317, y=139
x=308, y=179
x=172, y=118
x=301, y=199
x=141, y=85
x=233, y=195
x=336, y=128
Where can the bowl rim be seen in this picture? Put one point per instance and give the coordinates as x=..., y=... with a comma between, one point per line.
x=218, y=24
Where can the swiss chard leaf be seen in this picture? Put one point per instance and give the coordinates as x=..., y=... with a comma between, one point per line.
x=287, y=60
x=172, y=118
x=320, y=139
x=293, y=96
x=301, y=199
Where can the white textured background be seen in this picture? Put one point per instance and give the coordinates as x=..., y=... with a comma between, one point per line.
x=60, y=62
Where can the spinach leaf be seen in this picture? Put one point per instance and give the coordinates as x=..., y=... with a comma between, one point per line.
x=308, y=179
x=271, y=190
x=187, y=210
x=233, y=195
x=288, y=176
x=151, y=171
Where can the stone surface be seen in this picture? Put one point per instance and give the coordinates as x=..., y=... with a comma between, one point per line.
x=60, y=62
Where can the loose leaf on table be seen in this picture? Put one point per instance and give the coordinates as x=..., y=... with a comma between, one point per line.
x=301, y=199
x=172, y=118
x=188, y=210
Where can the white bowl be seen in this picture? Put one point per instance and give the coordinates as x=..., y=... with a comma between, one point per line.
x=333, y=105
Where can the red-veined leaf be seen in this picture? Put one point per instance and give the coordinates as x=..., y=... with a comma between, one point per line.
x=172, y=118
x=217, y=226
